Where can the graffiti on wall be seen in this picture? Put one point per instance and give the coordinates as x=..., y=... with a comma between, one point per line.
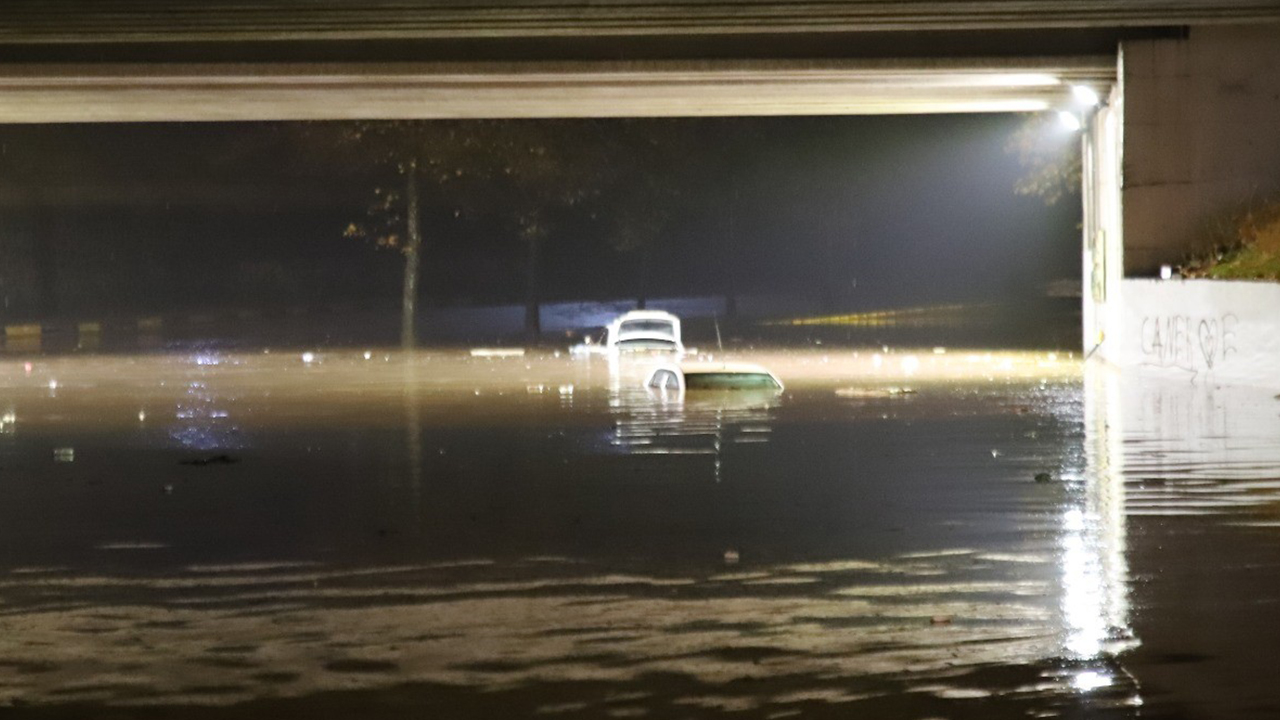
x=1188, y=342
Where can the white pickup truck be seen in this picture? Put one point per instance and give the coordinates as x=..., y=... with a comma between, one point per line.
x=638, y=331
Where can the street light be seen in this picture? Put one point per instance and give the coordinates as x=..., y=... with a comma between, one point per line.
x=1084, y=100
x=1085, y=96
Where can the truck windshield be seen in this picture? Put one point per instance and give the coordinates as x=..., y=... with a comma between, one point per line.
x=657, y=327
x=646, y=344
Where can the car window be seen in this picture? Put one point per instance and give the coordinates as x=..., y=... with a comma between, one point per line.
x=730, y=381
x=647, y=326
x=664, y=379
x=646, y=344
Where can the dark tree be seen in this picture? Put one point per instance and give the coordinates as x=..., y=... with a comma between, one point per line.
x=546, y=172
x=432, y=159
x=649, y=194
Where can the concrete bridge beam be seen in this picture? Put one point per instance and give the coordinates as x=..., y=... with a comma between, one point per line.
x=246, y=92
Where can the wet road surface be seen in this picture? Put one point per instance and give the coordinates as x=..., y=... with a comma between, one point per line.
x=375, y=534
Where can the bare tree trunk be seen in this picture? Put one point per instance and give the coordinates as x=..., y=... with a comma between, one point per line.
x=532, y=297
x=412, y=261
x=730, y=269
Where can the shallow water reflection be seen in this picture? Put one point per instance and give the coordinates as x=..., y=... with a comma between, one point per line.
x=1194, y=449
x=539, y=535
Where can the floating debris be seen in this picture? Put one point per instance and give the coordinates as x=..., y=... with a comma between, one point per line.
x=64, y=454
x=864, y=392
x=497, y=352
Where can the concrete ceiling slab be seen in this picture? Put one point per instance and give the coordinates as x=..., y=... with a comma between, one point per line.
x=72, y=21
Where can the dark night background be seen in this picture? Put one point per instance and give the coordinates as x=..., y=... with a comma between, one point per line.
x=846, y=213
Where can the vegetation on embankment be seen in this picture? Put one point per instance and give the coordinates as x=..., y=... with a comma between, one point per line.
x=1250, y=250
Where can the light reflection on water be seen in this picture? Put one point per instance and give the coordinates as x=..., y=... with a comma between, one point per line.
x=502, y=524
x=664, y=422
x=1200, y=450
x=1092, y=541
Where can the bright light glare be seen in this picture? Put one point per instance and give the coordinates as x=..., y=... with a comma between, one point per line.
x=1090, y=680
x=1085, y=95
x=910, y=364
x=1070, y=121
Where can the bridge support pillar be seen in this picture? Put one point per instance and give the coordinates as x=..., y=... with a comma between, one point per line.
x=1103, y=232
x=1189, y=141
x=1201, y=138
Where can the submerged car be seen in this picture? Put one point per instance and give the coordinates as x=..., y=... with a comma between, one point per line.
x=713, y=376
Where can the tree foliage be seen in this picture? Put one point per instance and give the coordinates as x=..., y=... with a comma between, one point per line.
x=445, y=156
x=1050, y=157
x=524, y=180
x=1244, y=245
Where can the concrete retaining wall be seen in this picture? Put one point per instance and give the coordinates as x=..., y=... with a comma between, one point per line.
x=1202, y=331
x=1200, y=137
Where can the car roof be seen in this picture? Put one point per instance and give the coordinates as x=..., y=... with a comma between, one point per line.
x=646, y=315
x=648, y=335
x=712, y=368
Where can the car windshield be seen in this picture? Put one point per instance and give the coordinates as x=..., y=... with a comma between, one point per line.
x=660, y=327
x=729, y=381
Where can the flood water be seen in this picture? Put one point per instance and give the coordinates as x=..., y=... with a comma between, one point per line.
x=359, y=534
